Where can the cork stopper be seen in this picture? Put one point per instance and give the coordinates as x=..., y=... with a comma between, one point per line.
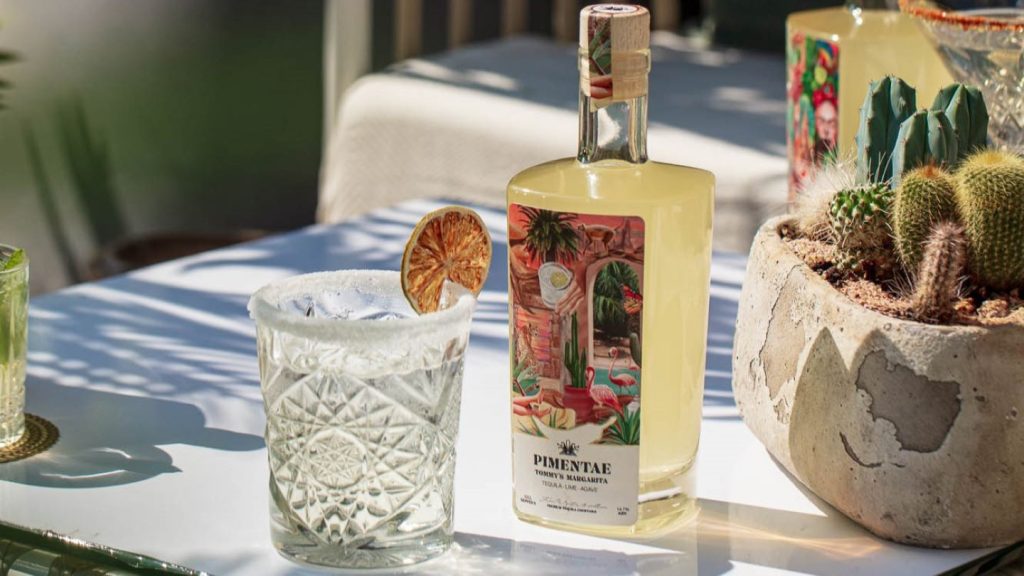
x=615, y=54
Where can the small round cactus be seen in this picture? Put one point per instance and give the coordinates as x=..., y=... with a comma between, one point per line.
x=860, y=226
x=925, y=197
x=812, y=209
x=990, y=197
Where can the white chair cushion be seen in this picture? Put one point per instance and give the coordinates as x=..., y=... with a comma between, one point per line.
x=461, y=124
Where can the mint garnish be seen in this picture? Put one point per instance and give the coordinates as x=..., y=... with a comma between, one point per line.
x=13, y=261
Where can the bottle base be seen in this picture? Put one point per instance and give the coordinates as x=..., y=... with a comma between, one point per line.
x=308, y=552
x=12, y=429
x=386, y=548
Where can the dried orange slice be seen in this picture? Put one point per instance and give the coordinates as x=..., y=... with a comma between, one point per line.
x=448, y=244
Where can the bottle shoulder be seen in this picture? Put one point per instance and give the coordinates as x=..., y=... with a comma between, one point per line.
x=839, y=25
x=568, y=177
x=822, y=21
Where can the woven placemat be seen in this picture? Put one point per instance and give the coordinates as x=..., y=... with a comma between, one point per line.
x=39, y=435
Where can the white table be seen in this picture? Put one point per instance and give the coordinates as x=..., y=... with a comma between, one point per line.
x=152, y=380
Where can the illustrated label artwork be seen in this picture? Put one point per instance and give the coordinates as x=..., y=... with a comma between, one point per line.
x=576, y=287
x=812, y=106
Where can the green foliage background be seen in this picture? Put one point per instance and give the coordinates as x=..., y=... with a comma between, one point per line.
x=206, y=116
x=550, y=235
x=609, y=314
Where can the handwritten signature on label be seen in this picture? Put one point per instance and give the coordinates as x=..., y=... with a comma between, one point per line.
x=563, y=504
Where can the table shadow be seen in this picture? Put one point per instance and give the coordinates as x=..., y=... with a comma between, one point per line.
x=725, y=536
x=376, y=240
x=479, y=554
x=109, y=439
x=476, y=554
x=825, y=544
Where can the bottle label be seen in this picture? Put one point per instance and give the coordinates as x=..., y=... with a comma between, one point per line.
x=812, y=106
x=576, y=293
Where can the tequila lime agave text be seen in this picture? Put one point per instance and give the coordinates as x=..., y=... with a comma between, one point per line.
x=608, y=279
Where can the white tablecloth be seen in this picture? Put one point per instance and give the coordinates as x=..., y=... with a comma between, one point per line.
x=152, y=379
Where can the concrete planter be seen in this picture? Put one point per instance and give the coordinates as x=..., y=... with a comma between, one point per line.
x=912, y=430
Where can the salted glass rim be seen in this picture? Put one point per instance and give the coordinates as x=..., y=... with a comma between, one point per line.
x=8, y=249
x=929, y=11
x=264, y=305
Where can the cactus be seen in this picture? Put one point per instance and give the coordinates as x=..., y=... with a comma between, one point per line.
x=574, y=359
x=888, y=103
x=925, y=197
x=812, y=209
x=635, y=348
x=966, y=110
x=938, y=278
x=927, y=137
x=860, y=226
x=990, y=198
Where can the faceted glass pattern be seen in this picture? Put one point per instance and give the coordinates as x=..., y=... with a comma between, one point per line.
x=361, y=428
x=982, y=44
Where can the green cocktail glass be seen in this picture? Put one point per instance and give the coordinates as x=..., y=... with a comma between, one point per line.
x=13, y=343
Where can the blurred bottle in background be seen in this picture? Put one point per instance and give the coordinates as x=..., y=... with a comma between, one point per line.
x=831, y=56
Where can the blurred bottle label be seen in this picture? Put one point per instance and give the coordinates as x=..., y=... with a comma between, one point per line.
x=812, y=106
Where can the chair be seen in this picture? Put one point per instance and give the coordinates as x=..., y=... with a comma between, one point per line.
x=459, y=123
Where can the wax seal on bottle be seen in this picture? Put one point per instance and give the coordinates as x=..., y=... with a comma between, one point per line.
x=615, y=54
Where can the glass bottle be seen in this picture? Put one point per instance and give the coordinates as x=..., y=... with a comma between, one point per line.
x=832, y=54
x=609, y=257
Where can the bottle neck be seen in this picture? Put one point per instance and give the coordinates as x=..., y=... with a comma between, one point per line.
x=617, y=131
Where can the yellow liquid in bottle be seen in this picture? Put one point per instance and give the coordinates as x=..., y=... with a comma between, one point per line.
x=875, y=44
x=676, y=204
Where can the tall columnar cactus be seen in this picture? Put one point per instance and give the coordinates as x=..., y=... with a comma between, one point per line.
x=635, y=348
x=938, y=278
x=966, y=110
x=574, y=359
x=927, y=137
x=990, y=197
x=860, y=226
x=925, y=197
x=888, y=103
